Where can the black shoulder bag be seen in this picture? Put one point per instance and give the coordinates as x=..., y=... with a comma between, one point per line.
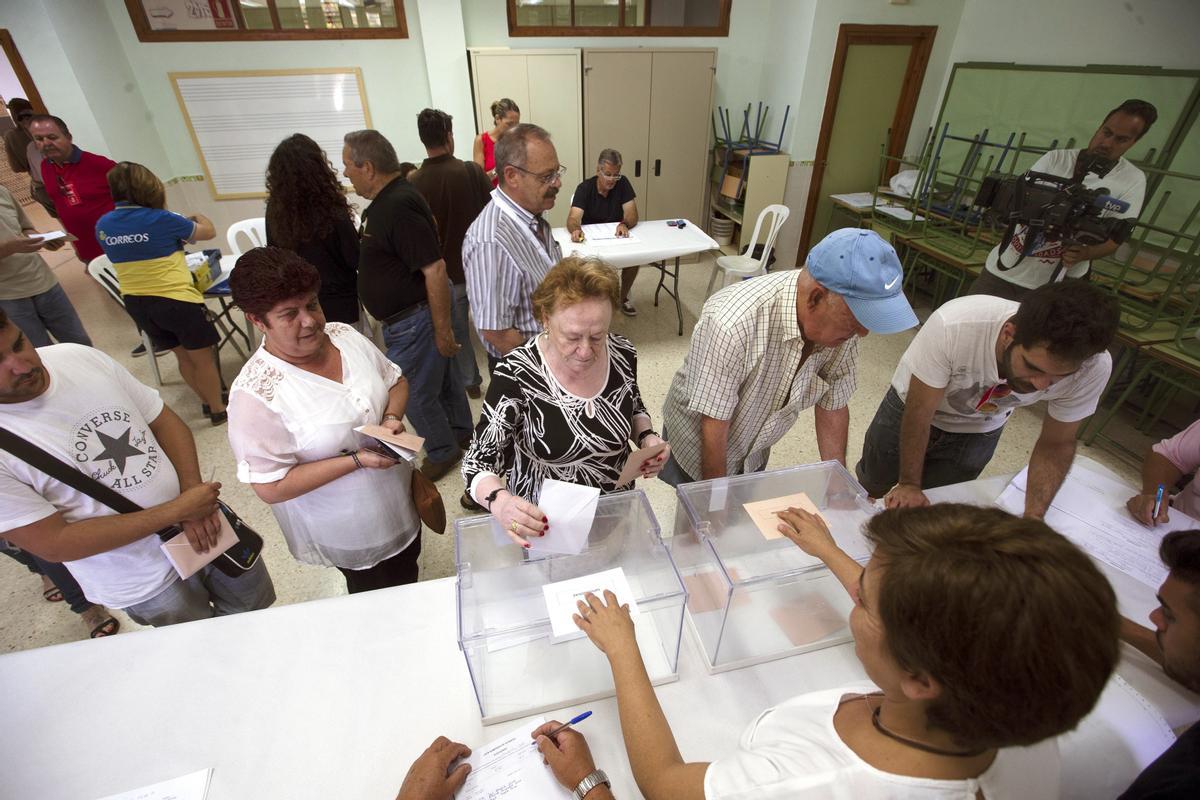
x=235, y=561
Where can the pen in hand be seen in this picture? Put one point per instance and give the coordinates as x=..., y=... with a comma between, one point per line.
x=1158, y=498
x=573, y=721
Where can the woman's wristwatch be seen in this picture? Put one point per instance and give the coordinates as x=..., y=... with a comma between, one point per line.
x=386, y=417
x=593, y=780
x=641, y=436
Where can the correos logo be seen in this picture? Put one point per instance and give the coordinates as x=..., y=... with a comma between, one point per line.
x=128, y=238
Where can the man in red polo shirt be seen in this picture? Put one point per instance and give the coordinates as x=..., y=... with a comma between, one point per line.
x=75, y=181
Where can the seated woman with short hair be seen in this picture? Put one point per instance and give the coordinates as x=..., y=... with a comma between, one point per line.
x=984, y=635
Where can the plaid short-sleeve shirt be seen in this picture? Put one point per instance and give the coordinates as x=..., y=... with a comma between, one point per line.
x=744, y=365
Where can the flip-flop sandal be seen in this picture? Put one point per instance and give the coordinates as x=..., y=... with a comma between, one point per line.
x=107, y=628
x=53, y=595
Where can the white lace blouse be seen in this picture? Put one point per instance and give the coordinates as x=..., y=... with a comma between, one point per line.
x=281, y=416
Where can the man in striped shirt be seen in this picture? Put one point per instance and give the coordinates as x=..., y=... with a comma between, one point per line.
x=767, y=348
x=509, y=247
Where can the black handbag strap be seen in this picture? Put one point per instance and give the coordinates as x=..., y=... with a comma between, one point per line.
x=64, y=473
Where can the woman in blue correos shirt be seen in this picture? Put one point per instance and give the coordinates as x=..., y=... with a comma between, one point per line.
x=145, y=243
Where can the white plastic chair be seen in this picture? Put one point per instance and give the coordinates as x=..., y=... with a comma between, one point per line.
x=102, y=270
x=255, y=229
x=745, y=265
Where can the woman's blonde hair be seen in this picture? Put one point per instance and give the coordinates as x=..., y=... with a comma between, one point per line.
x=573, y=280
x=129, y=182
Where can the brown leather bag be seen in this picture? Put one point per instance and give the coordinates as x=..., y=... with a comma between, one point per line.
x=429, y=503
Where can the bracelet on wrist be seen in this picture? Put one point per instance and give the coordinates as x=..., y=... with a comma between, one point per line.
x=357, y=464
x=386, y=417
x=491, y=498
x=644, y=434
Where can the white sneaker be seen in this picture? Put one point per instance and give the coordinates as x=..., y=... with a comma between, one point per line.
x=628, y=309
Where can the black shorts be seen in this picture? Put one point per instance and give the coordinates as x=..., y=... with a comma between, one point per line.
x=171, y=322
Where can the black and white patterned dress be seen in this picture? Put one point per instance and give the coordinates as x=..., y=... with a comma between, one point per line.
x=532, y=428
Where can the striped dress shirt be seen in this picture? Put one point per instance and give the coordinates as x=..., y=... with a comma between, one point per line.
x=744, y=365
x=506, y=254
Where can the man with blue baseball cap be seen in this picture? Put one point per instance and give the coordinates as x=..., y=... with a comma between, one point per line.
x=767, y=348
x=974, y=361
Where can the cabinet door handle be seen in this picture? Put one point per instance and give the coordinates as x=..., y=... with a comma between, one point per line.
x=657, y=167
x=637, y=168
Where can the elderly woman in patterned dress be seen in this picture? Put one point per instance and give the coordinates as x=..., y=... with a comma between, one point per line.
x=564, y=405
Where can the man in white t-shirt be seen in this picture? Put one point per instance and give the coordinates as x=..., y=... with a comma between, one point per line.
x=973, y=362
x=83, y=408
x=1018, y=270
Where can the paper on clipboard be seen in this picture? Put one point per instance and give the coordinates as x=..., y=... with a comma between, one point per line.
x=762, y=512
x=188, y=562
x=633, y=467
x=406, y=445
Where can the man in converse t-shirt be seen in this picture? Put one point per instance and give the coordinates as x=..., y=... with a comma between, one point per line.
x=1027, y=262
x=973, y=362
x=83, y=408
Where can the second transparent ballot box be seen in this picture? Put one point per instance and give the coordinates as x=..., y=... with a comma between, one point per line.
x=753, y=595
x=518, y=665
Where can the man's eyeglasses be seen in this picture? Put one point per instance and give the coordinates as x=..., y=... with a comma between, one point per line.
x=606, y=176
x=546, y=178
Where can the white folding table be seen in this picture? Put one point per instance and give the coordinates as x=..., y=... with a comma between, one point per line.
x=334, y=699
x=654, y=243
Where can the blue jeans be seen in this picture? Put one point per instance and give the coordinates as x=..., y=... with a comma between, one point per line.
x=46, y=314
x=58, y=573
x=949, y=457
x=460, y=321
x=437, y=400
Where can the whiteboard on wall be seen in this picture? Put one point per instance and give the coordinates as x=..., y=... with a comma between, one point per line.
x=237, y=118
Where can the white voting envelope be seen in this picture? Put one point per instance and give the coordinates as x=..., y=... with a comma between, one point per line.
x=571, y=508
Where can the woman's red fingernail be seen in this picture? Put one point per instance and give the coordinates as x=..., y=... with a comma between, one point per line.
x=527, y=545
x=545, y=519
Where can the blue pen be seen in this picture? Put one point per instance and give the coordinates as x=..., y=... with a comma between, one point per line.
x=1158, y=496
x=565, y=725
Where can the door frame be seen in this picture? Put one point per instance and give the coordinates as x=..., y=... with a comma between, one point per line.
x=921, y=38
x=23, y=76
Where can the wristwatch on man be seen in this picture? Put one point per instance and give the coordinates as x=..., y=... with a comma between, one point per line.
x=593, y=780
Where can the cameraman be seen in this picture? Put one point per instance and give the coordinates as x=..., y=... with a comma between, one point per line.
x=1121, y=129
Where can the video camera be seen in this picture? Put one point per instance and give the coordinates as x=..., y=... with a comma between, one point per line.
x=1054, y=208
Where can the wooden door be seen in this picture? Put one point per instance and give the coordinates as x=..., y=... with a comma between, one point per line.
x=876, y=79
x=681, y=97
x=616, y=107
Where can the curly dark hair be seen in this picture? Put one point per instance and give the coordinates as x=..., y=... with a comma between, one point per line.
x=305, y=199
x=266, y=276
x=1073, y=319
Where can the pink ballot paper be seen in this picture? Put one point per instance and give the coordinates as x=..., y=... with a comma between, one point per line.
x=188, y=562
x=762, y=512
x=633, y=467
x=402, y=441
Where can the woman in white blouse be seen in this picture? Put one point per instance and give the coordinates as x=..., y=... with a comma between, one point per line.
x=292, y=414
x=984, y=636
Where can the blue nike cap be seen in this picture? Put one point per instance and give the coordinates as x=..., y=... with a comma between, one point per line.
x=865, y=270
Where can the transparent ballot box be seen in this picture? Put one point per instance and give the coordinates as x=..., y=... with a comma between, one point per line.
x=518, y=665
x=752, y=598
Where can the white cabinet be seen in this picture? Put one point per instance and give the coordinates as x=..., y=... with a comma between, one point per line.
x=546, y=86
x=655, y=107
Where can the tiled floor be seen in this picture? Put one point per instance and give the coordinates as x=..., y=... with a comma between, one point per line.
x=27, y=621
